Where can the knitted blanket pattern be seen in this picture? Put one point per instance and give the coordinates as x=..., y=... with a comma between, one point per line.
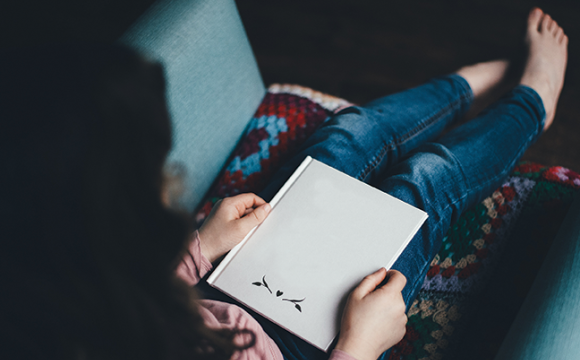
x=455, y=315
x=287, y=116
x=447, y=308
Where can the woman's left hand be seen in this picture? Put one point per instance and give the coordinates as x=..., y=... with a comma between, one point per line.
x=230, y=220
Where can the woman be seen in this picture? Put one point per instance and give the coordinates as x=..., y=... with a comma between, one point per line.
x=91, y=253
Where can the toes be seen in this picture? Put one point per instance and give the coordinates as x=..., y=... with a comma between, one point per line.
x=546, y=23
x=543, y=23
x=534, y=18
x=559, y=33
x=554, y=28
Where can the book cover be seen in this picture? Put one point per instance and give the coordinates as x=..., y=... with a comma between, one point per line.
x=325, y=233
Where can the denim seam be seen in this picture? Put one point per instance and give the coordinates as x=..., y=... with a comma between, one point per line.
x=419, y=279
x=505, y=169
x=446, y=208
x=428, y=263
x=537, y=101
x=470, y=190
x=503, y=174
x=520, y=150
x=429, y=120
x=467, y=94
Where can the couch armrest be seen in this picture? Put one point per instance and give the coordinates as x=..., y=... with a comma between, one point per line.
x=548, y=323
x=213, y=83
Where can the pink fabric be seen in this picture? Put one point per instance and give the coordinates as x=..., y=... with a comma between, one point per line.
x=193, y=265
x=220, y=315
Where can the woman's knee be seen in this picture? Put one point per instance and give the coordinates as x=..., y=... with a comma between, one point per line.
x=431, y=179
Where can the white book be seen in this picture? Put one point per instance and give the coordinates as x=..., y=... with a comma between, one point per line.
x=326, y=231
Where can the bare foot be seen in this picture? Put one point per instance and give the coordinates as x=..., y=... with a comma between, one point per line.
x=546, y=63
x=488, y=81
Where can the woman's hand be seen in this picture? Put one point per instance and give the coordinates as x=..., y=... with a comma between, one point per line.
x=374, y=319
x=230, y=220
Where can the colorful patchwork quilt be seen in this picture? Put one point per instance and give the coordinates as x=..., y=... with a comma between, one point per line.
x=488, y=259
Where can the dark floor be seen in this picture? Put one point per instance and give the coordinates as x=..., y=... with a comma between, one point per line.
x=360, y=50
x=356, y=49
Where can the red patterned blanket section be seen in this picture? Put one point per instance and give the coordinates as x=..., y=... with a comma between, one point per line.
x=287, y=116
x=455, y=314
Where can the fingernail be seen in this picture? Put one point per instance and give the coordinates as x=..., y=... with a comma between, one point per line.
x=267, y=208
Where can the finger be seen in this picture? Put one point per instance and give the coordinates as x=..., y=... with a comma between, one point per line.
x=246, y=201
x=396, y=281
x=215, y=208
x=370, y=282
x=254, y=218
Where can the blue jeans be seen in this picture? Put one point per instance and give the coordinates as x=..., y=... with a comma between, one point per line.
x=393, y=143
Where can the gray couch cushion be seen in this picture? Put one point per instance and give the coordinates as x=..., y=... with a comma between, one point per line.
x=214, y=85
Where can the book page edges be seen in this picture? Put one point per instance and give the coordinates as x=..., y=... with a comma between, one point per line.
x=406, y=243
x=279, y=195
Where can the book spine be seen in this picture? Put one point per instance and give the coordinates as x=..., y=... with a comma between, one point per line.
x=279, y=195
x=290, y=181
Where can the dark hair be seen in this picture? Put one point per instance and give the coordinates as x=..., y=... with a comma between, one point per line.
x=88, y=250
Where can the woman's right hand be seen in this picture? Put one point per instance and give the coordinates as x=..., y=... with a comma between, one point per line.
x=374, y=319
x=228, y=223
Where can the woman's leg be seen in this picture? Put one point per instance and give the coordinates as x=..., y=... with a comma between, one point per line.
x=362, y=141
x=446, y=177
